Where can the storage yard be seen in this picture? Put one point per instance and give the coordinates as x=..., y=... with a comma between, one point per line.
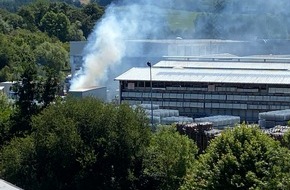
x=221, y=121
x=203, y=132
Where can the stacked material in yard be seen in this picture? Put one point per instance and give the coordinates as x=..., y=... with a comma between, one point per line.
x=176, y=119
x=197, y=132
x=213, y=133
x=221, y=121
x=274, y=118
x=163, y=116
x=163, y=112
x=156, y=119
x=277, y=132
x=148, y=106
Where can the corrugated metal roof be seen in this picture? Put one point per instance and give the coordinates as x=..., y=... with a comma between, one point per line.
x=208, y=75
x=187, y=41
x=225, y=65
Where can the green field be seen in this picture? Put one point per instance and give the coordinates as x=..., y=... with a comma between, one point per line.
x=180, y=20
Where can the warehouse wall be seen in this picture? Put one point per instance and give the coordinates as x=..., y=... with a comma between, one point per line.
x=218, y=99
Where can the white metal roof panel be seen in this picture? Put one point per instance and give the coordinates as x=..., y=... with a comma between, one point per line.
x=224, y=65
x=208, y=75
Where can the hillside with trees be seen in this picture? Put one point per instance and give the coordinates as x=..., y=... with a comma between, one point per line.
x=38, y=34
x=50, y=143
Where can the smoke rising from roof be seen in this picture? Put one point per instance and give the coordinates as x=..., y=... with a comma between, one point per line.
x=106, y=45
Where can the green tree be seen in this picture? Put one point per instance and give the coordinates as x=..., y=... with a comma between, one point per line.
x=32, y=39
x=4, y=50
x=51, y=55
x=168, y=158
x=5, y=28
x=6, y=110
x=11, y=18
x=38, y=8
x=55, y=24
x=286, y=138
x=15, y=21
x=241, y=158
x=29, y=18
x=20, y=47
x=52, y=59
x=93, y=12
x=23, y=53
x=27, y=91
x=17, y=161
x=75, y=32
x=79, y=144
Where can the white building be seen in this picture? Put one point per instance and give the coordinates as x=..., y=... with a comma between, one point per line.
x=241, y=86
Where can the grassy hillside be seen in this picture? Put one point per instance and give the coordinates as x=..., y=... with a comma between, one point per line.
x=181, y=20
x=13, y=5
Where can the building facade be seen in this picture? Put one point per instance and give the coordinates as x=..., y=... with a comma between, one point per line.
x=198, y=87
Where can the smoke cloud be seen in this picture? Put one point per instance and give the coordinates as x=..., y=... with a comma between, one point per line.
x=106, y=45
x=148, y=19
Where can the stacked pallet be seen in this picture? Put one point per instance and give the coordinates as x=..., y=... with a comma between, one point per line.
x=274, y=118
x=176, y=119
x=162, y=112
x=221, y=121
x=196, y=132
x=164, y=116
x=160, y=116
x=148, y=106
x=277, y=132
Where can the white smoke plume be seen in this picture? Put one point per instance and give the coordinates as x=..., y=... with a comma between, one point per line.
x=106, y=45
x=142, y=19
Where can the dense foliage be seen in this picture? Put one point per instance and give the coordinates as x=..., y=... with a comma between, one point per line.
x=88, y=144
x=168, y=157
x=6, y=110
x=243, y=158
x=79, y=144
x=42, y=26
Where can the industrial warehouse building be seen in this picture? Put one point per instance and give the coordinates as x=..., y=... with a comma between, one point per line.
x=138, y=52
x=206, y=86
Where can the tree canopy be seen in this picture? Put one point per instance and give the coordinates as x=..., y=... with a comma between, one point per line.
x=79, y=144
x=242, y=158
x=168, y=158
x=6, y=110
